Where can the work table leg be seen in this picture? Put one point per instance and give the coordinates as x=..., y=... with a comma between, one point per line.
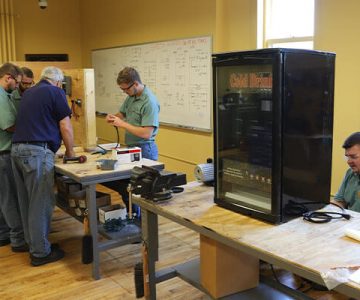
x=149, y=222
x=91, y=205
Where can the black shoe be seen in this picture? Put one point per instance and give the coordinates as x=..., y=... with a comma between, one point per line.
x=4, y=242
x=55, y=246
x=55, y=255
x=23, y=248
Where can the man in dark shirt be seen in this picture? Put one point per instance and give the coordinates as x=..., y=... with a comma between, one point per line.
x=43, y=121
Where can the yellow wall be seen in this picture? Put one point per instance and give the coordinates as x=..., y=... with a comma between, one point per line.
x=78, y=26
x=122, y=23
x=119, y=22
x=235, y=25
x=180, y=150
x=337, y=29
x=55, y=29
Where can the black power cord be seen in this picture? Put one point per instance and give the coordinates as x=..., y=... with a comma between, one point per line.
x=293, y=208
x=325, y=216
x=117, y=137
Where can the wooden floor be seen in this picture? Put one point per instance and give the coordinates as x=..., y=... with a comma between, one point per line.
x=70, y=279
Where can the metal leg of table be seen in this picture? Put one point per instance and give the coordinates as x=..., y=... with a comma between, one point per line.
x=91, y=205
x=151, y=239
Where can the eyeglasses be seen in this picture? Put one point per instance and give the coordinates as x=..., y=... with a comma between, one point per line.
x=126, y=89
x=27, y=83
x=351, y=157
x=17, y=82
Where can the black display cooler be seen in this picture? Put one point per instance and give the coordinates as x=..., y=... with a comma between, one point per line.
x=273, y=125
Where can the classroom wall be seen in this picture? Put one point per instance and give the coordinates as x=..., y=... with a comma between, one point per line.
x=337, y=28
x=54, y=30
x=122, y=23
x=78, y=26
x=236, y=22
x=180, y=150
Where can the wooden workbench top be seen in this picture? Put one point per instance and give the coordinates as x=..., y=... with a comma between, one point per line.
x=313, y=247
x=88, y=172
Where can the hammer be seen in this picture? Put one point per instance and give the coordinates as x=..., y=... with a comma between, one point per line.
x=80, y=159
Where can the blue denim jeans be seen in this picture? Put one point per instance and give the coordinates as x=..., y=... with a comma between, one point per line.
x=10, y=220
x=149, y=150
x=34, y=175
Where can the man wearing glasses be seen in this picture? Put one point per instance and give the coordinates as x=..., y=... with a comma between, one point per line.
x=139, y=116
x=348, y=195
x=26, y=82
x=11, y=229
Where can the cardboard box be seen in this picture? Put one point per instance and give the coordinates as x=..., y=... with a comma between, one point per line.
x=66, y=185
x=78, y=199
x=102, y=199
x=225, y=270
x=112, y=212
x=127, y=155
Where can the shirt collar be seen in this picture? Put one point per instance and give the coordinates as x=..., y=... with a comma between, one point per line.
x=142, y=96
x=2, y=91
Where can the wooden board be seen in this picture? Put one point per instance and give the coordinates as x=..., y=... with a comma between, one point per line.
x=88, y=172
x=83, y=117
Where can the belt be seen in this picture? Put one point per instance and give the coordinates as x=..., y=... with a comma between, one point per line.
x=4, y=152
x=41, y=144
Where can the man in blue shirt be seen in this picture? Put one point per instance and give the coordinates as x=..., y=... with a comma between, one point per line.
x=11, y=229
x=139, y=116
x=348, y=195
x=43, y=121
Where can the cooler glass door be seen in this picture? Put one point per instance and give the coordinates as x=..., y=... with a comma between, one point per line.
x=244, y=128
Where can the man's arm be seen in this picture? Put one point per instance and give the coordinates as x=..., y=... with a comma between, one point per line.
x=67, y=135
x=10, y=129
x=341, y=203
x=142, y=132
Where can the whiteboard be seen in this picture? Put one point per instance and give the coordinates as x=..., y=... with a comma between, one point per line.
x=178, y=72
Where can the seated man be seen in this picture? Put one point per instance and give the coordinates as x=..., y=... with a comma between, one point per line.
x=348, y=195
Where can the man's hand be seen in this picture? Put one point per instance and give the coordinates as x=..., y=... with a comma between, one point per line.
x=70, y=153
x=110, y=118
x=114, y=120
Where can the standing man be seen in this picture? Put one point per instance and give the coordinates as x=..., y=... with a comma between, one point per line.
x=43, y=121
x=139, y=116
x=27, y=82
x=348, y=195
x=11, y=230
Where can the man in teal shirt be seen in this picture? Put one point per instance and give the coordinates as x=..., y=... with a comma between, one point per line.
x=348, y=195
x=11, y=229
x=138, y=115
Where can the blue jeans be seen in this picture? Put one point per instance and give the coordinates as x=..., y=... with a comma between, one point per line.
x=10, y=219
x=149, y=150
x=34, y=175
